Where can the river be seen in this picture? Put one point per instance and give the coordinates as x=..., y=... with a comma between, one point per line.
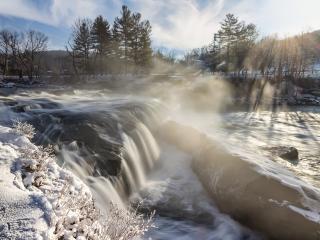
x=111, y=142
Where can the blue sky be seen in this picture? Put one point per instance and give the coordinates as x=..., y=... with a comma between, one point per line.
x=177, y=24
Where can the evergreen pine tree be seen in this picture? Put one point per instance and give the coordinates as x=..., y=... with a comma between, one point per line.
x=101, y=42
x=145, y=56
x=81, y=44
x=101, y=36
x=140, y=44
x=136, y=38
x=228, y=35
x=122, y=36
x=235, y=39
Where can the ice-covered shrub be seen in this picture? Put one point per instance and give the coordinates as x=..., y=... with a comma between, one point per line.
x=75, y=215
x=23, y=128
x=35, y=164
x=124, y=224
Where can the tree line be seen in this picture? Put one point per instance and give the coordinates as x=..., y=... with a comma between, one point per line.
x=236, y=49
x=229, y=48
x=20, y=52
x=98, y=48
x=95, y=47
x=291, y=57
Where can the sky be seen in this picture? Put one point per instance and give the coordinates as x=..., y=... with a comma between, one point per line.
x=176, y=24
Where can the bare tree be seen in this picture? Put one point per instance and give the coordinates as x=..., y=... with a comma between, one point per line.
x=32, y=44
x=5, y=37
x=15, y=40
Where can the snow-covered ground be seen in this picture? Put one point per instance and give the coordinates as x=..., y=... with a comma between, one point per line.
x=40, y=200
x=23, y=213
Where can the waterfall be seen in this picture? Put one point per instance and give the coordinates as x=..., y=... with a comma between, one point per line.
x=107, y=143
x=136, y=161
x=147, y=144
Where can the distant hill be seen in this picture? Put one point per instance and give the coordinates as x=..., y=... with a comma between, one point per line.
x=56, y=53
x=56, y=61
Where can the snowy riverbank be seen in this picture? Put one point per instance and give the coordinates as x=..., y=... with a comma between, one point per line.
x=40, y=200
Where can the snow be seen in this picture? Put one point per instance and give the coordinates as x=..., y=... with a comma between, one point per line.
x=22, y=214
x=55, y=206
x=40, y=200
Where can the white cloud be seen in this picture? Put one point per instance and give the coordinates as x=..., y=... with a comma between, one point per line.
x=56, y=13
x=181, y=24
x=22, y=9
x=178, y=24
x=66, y=11
x=283, y=17
x=184, y=24
x=288, y=17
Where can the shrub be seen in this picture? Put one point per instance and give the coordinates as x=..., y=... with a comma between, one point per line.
x=125, y=224
x=23, y=128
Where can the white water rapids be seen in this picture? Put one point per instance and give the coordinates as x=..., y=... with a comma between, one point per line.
x=154, y=174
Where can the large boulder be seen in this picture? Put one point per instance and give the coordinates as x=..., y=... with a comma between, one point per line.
x=241, y=188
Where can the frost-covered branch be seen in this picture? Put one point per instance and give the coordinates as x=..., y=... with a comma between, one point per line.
x=23, y=128
x=124, y=224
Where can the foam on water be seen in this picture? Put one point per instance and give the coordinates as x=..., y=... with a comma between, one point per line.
x=184, y=210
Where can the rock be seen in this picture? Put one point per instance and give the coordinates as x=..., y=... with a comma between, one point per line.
x=287, y=153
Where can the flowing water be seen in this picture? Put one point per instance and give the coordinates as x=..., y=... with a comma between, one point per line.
x=110, y=142
x=254, y=133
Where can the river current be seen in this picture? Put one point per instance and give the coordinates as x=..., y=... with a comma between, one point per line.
x=111, y=142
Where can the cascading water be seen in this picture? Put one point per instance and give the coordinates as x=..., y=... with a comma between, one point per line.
x=105, y=142
x=133, y=157
x=108, y=142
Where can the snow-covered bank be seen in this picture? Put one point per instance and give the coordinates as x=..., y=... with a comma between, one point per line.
x=40, y=200
x=24, y=214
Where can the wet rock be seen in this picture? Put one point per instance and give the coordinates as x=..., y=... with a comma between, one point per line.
x=287, y=153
